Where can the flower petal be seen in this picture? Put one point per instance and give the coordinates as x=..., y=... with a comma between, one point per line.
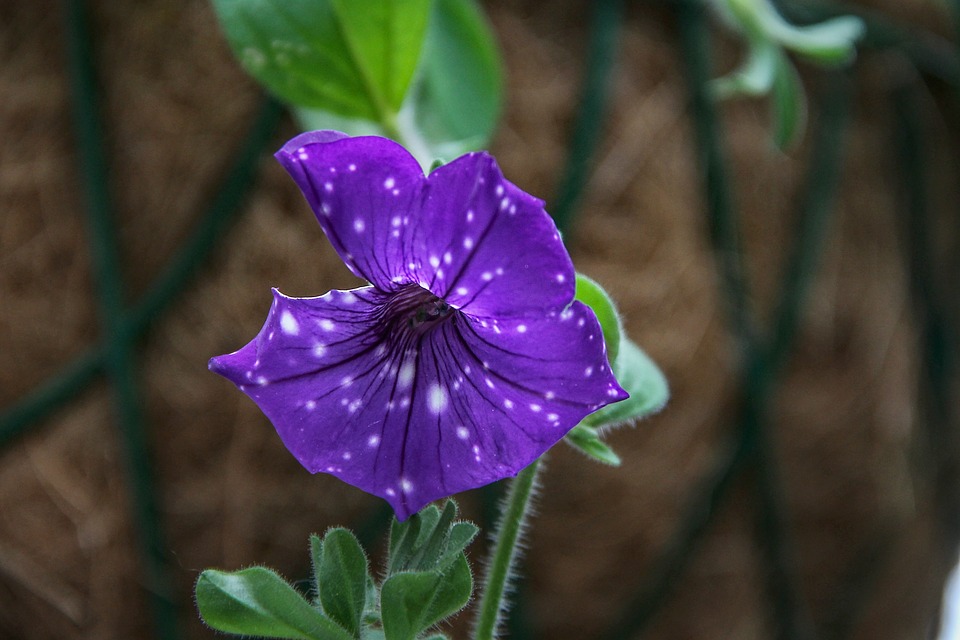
x=465, y=233
x=486, y=246
x=427, y=415
x=365, y=192
x=522, y=384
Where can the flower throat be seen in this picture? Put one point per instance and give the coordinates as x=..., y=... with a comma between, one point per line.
x=414, y=309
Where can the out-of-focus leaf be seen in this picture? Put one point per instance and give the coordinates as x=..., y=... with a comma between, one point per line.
x=789, y=104
x=352, y=59
x=586, y=440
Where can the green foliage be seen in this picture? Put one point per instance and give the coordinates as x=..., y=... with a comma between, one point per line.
x=425, y=73
x=635, y=371
x=457, y=101
x=587, y=440
x=428, y=579
x=340, y=574
x=642, y=379
x=413, y=602
x=590, y=293
x=767, y=68
x=258, y=602
x=330, y=54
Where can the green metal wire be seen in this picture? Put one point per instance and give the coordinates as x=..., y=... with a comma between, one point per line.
x=750, y=446
x=120, y=328
x=601, y=53
x=77, y=375
x=119, y=358
x=939, y=342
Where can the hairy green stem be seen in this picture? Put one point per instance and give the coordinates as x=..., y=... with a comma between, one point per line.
x=493, y=603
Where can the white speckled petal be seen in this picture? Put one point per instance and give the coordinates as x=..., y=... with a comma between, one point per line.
x=488, y=247
x=465, y=233
x=366, y=193
x=463, y=362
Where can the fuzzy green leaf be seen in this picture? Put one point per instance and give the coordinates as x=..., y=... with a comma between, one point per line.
x=341, y=577
x=258, y=602
x=413, y=602
x=586, y=440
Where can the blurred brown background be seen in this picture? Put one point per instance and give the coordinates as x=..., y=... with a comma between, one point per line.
x=867, y=491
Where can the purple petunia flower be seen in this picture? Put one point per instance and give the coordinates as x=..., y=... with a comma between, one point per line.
x=463, y=361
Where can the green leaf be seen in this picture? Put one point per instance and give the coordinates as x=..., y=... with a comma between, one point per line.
x=341, y=576
x=407, y=538
x=594, y=296
x=429, y=551
x=459, y=96
x=413, y=602
x=258, y=602
x=586, y=439
x=460, y=536
x=831, y=42
x=789, y=104
x=455, y=102
x=754, y=78
x=352, y=59
x=642, y=379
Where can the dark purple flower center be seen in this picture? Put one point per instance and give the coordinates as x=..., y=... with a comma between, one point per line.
x=414, y=310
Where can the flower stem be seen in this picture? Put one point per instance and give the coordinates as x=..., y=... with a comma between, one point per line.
x=493, y=601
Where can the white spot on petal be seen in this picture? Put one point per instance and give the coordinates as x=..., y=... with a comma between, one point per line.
x=389, y=183
x=521, y=328
x=327, y=325
x=535, y=408
x=437, y=398
x=468, y=243
x=463, y=433
x=405, y=485
x=359, y=225
x=434, y=261
x=406, y=374
x=289, y=324
x=373, y=441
